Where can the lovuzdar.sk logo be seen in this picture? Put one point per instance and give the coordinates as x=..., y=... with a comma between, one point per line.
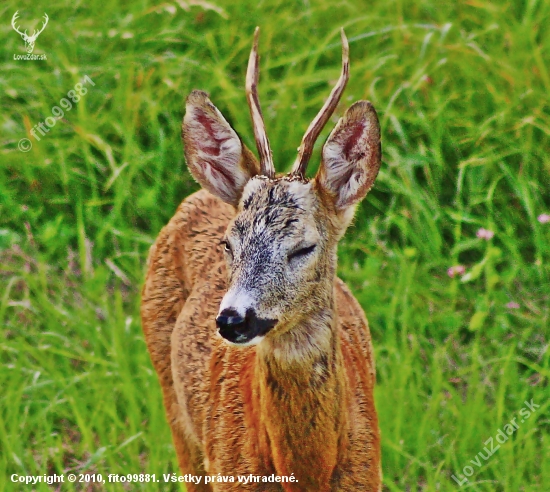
x=29, y=39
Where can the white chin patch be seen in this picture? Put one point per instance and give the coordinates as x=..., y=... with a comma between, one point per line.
x=254, y=341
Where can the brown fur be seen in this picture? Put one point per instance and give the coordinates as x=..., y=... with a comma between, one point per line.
x=235, y=413
x=300, y=401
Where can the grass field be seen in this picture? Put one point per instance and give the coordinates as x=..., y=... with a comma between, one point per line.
x=462, y=92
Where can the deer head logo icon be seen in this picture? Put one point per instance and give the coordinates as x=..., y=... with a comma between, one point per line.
x=29, y=40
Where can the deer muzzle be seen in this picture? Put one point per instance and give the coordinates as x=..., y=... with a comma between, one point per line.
x=247, y=330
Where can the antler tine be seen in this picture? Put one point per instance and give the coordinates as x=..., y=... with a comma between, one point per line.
x=314, y=129
x=262, y=142
x=13, y=19
x=44, y=24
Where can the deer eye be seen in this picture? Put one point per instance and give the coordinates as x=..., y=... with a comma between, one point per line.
x=301, y=252
x=226, y=246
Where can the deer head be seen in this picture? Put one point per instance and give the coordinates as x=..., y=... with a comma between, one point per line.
x=29, y=40
x=281, y=246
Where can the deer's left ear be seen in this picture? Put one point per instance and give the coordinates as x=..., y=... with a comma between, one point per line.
x=351, y=156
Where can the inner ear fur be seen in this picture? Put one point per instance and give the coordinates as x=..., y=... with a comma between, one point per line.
x=351, y=156
x=215, y=154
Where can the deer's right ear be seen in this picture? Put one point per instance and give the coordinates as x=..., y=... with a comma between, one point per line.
x=215, y=155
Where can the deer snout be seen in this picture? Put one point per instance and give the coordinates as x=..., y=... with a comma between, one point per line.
x=229, y=320
x=247, y=330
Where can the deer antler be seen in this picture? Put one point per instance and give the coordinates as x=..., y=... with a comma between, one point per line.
x=35, y=33
x=262, y=142
x=314, y=129
x=13, y=19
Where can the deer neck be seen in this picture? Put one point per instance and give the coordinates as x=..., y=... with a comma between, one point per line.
x=302, y=392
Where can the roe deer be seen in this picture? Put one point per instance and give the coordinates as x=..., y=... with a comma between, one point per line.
x=263, y=354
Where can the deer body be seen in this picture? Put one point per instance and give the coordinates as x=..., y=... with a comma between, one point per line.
x=263, y=354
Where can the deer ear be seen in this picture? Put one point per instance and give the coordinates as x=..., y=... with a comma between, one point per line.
x=215, y=155
x=351, y=156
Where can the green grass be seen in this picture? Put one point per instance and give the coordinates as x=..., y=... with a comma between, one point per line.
x=462, y=93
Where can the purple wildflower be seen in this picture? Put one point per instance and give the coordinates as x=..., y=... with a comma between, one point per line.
x=456, y=270
x=485, y=234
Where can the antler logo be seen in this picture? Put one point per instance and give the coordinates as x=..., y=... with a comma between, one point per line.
x=29, y=40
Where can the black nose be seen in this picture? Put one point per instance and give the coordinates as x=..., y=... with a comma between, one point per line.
x=237, y=329
x=229, y=320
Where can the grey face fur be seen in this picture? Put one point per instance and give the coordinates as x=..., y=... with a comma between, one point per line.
x=281, y=246
x=276, y=250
